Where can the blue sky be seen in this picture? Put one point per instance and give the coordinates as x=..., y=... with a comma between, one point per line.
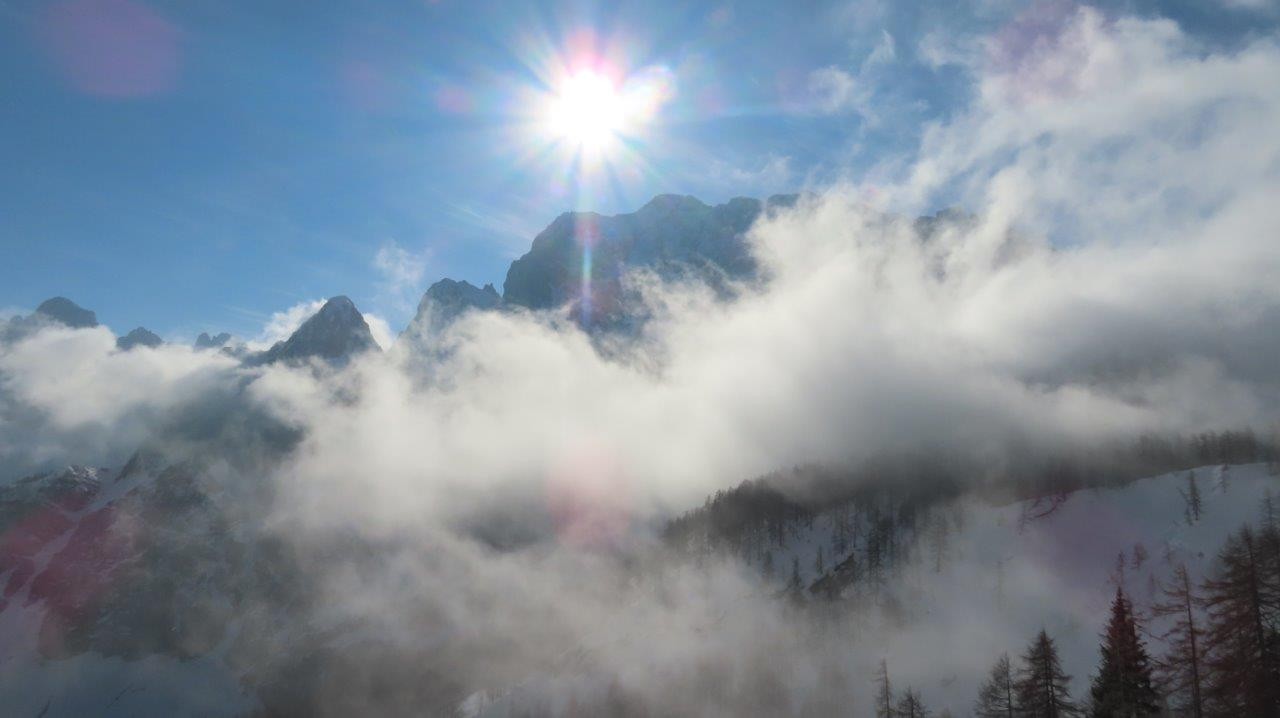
x=198, y=166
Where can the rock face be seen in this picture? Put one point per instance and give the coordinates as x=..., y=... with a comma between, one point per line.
x=64, y=311
x=138, y=337
x=580, y=259
x=58, y=311
x=204, y=341
x=335, y=334
x=445, y=301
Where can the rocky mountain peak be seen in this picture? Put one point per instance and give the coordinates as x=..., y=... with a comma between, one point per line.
x=448, y=299
x=336, y=333
x=204, y=341
x=138, y=337
x=64, y=311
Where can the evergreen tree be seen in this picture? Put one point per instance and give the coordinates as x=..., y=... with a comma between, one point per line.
x=819, y=566
x=1192, y=497
x=768, y=564
x=1182, y=668
x=996, y=697
x=1122, y=688
x=910, y=705
x=1269, y=558
x=793, y=584
x=1041, y=690
x=1242, y=648
x=884, y=693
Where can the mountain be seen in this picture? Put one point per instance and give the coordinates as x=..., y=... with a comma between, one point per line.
x=672, y=235
x=64, y=311
x=58, y=311
x=445, y=301
x=138, y=337
x=204, y=341
x=335, y=334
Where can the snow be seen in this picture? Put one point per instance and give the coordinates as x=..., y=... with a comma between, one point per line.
x=1008, y=570
x=92, y=684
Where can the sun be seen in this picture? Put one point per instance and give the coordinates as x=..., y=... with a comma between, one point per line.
x=587, y=110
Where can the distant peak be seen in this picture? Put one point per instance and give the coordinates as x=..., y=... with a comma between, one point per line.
x=340, y=303
x=67, y=312
x=668, y=202
x=204, y=341
x=335, y=333
x=139, y=337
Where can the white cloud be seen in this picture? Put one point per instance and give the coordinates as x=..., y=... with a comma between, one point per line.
x=381, y=330
x=280, y=325
x=401, y=270
x=835, y=90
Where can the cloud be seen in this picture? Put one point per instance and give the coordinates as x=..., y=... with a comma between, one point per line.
x=282, y=324
x=381, y=330
x=69, y=395
x=1117, y=279
x=401, y=269
x=836, y=90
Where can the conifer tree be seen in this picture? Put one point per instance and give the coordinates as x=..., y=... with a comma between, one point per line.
x=910, y=705
x=1242, y=647
x=1192, y=497
x=1182, y=668
x=884, y=693
x=1041, y=690
x=996, y=697
x=1122, y=688
x=819, y=566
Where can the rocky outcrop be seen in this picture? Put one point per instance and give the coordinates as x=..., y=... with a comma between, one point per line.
x=138, y=337
x=335, y=334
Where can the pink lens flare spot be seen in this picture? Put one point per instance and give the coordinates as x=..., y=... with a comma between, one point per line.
x=455, y=100
x=112, y=48
x=589, y=498
x=1038, y=55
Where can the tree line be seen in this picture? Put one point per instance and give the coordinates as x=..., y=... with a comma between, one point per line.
x=1221, y=657
x=914, y=480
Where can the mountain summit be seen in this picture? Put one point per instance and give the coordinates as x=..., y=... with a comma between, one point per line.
x=448, y=299
x=672, y=235
x=65, y=311
x=138, y=337
x=336, y=333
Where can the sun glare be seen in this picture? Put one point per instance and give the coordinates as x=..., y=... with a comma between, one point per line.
x=587, y=110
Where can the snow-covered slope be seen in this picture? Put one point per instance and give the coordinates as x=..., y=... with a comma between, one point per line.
x=972, y=579
x=128, y=593
x=79, y=576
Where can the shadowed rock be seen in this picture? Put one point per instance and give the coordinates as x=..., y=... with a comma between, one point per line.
x=335, y=334
x=138, y=337
x=64, y=311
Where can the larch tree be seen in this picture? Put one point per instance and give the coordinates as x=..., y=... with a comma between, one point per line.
x=910, y=705
x=1123, y=687
x=884, y=693
x=1181, y=670
x=1041, y=689
x=1191, y=496
x=996, y=697
x=1242, y=646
